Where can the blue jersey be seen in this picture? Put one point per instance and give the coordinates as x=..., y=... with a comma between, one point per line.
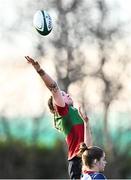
x=93, y=175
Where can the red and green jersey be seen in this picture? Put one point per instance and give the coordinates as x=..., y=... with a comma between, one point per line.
x=71, y=124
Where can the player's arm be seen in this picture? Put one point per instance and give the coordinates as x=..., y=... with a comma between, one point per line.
x=87, y=130
x=49, y=82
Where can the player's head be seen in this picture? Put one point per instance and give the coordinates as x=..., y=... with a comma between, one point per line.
x=67, y=98
x=93, y=157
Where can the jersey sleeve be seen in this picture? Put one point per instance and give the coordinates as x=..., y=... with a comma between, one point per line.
x=62, y=111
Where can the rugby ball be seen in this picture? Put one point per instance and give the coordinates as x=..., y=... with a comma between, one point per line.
x=42, y=22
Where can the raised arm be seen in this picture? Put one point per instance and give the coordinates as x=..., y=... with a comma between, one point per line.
x=87, y=130
x=49, y=82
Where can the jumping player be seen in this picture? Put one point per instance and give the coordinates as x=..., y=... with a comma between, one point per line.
x=67, y=119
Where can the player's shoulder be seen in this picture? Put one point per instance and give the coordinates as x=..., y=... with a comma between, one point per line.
x=98, y=176
x=86, y=177
x=62, y=111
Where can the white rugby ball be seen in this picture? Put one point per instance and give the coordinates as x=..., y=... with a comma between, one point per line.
x=42, y=22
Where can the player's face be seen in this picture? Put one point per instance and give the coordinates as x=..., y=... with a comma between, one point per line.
x=102, y=163
x=67, y=98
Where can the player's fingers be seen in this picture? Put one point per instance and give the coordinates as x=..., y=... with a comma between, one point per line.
x=80, y=109
x=27, y=58
x=30, y=60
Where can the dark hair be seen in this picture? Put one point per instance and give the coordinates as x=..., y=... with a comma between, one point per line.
x=89, y=154
x=50, y=105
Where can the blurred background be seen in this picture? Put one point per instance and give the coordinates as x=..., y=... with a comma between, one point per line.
x=89, y=53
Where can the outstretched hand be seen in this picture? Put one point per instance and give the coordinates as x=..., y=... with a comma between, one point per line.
x=33, y=62
x=30, y=60
x=83, y=115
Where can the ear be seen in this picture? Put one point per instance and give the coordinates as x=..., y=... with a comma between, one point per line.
x=95, y=161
